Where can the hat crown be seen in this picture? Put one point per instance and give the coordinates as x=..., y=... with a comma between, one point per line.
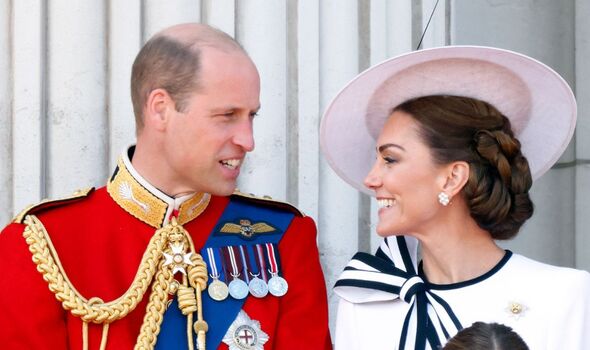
x=538, y=102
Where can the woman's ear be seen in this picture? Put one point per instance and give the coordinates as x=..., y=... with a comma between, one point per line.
x=457, y=175
x=157, y=109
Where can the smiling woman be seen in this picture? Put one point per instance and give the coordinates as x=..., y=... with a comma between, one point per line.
x=403, y=177
x=460, y=134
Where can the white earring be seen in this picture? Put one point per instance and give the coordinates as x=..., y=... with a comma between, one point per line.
x=443, y=199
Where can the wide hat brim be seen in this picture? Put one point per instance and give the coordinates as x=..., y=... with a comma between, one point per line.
x=539, y=103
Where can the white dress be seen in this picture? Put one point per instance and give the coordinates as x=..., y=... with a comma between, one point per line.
x=548, y=306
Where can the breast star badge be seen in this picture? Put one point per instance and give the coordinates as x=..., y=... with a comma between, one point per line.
x=245, y=334
x=246, y=228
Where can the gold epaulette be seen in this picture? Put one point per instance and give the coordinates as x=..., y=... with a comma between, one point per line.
x=50, y=203
x=267, y=201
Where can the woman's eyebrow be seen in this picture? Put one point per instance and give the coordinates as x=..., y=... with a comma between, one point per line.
x=387, y=145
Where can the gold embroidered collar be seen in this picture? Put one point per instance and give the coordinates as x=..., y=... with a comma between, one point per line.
x=148, y=204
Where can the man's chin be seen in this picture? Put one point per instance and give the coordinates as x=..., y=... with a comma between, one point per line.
x=223, y=191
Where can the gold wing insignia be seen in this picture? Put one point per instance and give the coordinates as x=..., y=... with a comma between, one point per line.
x=262, y=227
x=231, y=228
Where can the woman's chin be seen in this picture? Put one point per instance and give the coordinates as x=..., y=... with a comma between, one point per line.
x=386, y=232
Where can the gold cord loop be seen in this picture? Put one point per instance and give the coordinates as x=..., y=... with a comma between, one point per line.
x=166, y=242
x=49, y=265
x=187, y=302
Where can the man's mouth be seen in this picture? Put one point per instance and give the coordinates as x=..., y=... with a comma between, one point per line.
x=231, y=163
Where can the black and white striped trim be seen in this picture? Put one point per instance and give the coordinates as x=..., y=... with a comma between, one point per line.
x=390, y=274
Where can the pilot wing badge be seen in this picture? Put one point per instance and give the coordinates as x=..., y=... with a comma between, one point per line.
x=246, y=229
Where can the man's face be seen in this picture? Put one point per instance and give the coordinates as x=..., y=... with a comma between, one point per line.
x=207, y=142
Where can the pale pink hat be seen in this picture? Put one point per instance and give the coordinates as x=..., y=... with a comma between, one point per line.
x=539, y=103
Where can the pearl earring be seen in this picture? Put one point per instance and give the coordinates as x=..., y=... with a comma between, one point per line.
x=443, y=199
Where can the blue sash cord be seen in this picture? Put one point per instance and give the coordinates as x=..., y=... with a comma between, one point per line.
x=391, y=274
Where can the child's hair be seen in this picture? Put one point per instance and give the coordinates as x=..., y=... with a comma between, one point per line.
x=486, y=336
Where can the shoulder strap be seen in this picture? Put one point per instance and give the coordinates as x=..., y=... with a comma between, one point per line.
x=51, y=203
x=266, y=201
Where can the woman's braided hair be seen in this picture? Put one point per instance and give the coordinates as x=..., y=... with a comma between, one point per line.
x=466, y=129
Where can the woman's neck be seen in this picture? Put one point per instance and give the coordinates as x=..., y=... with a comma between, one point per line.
x=458, y=251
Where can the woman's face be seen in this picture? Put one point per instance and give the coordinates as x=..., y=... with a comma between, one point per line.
x=405, y=179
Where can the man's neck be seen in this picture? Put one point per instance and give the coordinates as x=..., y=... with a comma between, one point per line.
x=152, y=169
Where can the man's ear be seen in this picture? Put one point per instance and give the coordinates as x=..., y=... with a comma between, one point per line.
x=157, y=110
x=456, y=176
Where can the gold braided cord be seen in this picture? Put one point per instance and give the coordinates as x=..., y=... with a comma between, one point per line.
x=189, y=332
x=49, y=265
x=186, y=300
x=84, y=335
x=152, y=266
x=198, y=276
x=155, y=310
x=165, y=284
x=188, y=311
x=201, y=327
x=105, y=335
x=105, y=328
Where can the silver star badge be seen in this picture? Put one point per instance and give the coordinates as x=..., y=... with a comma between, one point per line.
x=178, y=258
x=245, y=334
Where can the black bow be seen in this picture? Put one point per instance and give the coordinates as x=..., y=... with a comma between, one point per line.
x=391, y=274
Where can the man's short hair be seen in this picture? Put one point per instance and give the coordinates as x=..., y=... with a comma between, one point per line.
x=172, y=63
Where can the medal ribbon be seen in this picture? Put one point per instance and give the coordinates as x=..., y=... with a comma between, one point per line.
x=212, y=263
x=261, y=261
x=245, y=264
x=252, y=261
x=270, y=250
x=235, y=269
x=391, y=274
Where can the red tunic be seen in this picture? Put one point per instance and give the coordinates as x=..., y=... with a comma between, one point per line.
x=100, y=246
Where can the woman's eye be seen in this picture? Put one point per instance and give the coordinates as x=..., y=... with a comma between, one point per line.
x=389, y=160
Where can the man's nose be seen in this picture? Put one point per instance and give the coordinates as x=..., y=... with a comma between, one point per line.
x=244, y=136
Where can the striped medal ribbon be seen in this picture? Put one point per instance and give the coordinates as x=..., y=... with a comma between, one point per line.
x=217, y=289
x=277, y=285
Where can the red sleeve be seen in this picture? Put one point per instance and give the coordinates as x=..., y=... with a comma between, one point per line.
x=30, y=316
x=303, y=313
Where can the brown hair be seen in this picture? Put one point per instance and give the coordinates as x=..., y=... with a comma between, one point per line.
x=171, y=61
x=486, y=336
x=466, y=129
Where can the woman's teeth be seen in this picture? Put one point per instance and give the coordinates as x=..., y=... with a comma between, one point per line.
x=385, y=203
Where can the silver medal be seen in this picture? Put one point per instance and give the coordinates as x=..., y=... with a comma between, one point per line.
x=238, y=289
x=277, y=286
x=258, y=287
x=217, y=290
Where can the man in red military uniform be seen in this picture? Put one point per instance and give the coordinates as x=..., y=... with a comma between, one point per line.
x=167, y=255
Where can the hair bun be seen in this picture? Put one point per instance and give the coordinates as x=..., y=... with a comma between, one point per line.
x=508, y=192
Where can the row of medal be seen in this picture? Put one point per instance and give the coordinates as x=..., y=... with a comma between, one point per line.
x=246, y=269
